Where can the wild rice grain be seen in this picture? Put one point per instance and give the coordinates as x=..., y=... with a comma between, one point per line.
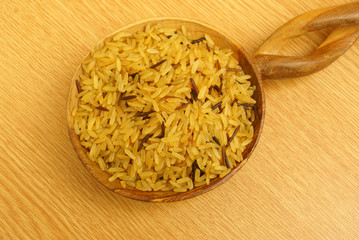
x=217, y=105
x=182, y=106
x=216, y=140
x=142, y=114
x=143, y=141
x=246, y=105
x=102, y=108
x=255, y=109
x=194, y=86
x=194, y=95
x=128, y=97
x=162, y=131
x=233, y=135
x=224, y=157
x=78, y=86
x=159, y=63
x=198, y=40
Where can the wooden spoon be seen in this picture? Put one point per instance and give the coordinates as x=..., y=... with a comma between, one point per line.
x=265, y=64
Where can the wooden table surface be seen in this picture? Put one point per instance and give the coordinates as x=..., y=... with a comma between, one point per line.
x=302, y=181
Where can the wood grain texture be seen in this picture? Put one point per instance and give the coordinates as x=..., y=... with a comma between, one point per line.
x=345, y=19
x=301, y=182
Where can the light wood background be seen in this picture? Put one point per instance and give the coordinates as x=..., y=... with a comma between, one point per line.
x=301, y=182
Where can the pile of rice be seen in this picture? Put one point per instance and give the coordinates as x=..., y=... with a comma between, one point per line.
x=157, y=108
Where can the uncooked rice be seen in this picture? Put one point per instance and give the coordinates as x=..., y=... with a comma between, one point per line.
x=146, y=123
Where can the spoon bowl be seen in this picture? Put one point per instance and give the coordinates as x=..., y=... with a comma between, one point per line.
x=266, y=63
x=196, y=29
